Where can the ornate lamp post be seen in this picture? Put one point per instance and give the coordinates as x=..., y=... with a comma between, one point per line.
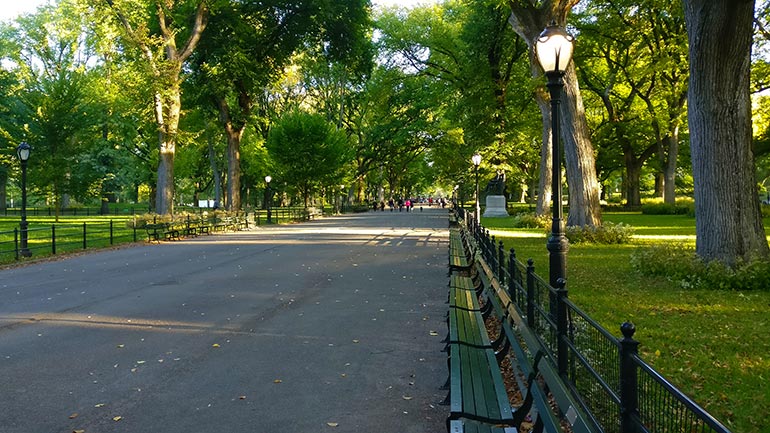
x=269, y=199
x=476, y=159
x=23, y=152
x=554, y=52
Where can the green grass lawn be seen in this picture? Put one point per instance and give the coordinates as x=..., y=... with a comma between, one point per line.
x=69, y=234
x=712, y=344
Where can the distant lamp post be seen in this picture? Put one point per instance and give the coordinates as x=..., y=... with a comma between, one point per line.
x=23, y=152
x=554, y=51
x=269, y=199
x=476, y=159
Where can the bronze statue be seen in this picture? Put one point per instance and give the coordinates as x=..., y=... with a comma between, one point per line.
x=496, y=186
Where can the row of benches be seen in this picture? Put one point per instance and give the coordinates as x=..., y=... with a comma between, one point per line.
x=175, y=230
x=479, y=400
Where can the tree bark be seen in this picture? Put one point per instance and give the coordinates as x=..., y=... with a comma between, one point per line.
x=528, y=20
x=166, y=73
x=3, y=188
x=633, y=175
x=167, y=111
x=671, y=144
x=728, y=219
x=585, y=209
x=234, y=132
x=544, y=186
x=234, y=168
x=215, y=173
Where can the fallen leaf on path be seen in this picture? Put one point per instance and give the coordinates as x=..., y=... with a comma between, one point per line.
x=332, y=424
x=78, y=431
x=406, y=397
x=99, y=405
x=278, y=381
x=117, y=418
x=434, y=333
x=215, y=345
x=74, y=415
x=120, y=346
x=356, y=341
x=243, y=397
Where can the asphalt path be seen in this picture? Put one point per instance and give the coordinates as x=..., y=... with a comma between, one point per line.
x=331, y=326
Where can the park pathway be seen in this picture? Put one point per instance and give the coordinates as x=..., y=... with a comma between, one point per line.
x=327, y=326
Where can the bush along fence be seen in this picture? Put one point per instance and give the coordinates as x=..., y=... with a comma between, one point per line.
x=615, y=387
x=58, y=238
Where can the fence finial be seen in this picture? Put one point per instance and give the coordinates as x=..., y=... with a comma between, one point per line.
x=628, y=329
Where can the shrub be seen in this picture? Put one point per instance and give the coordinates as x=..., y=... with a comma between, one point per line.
x=607, y=233
x=665, y=209
x=680, y=264
x=683, y=206
x=530, y=220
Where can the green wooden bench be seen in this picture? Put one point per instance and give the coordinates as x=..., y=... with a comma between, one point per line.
x=241, y=222
x=477, y=396
x=543, y=386
x=476, y=389
x=202, y=226
x=461, y=252
x=464, y=282
x=161, y=231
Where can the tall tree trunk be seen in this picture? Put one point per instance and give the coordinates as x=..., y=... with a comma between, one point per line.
x=3, y=188
x=528, y=20
x=728, y=219
x=234, y=169
x=215, y=174
x=671, y=143
x=167, y=110
x=166, y=72
x=544, y=186
x=633, y=176
x=585, y=209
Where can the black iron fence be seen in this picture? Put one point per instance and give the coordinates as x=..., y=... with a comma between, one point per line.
x=49, y=211
x=615, y=386
x=58, y=238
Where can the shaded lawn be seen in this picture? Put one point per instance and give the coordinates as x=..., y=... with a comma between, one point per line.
x=712, y=344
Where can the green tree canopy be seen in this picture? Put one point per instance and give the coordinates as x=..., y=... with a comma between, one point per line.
x=309, y=152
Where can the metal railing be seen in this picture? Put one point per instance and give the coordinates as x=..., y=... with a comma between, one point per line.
x=619, y=391
x=54, y=239
x=58, y=238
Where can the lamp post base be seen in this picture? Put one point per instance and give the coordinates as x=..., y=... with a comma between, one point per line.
x=23, y=244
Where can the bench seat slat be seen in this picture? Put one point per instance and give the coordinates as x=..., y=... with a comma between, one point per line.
x=480, y=391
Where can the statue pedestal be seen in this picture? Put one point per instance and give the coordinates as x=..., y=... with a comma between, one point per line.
x=495, y=206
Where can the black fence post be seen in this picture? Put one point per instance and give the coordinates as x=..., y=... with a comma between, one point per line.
x=513, y=277
x=53, y=239
x=629, y=397
x=562, y=327
x=492, y=254
x=111, y=234
x=501, y=263
x=84, y=236
x=531, y=293
x=16, y=242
